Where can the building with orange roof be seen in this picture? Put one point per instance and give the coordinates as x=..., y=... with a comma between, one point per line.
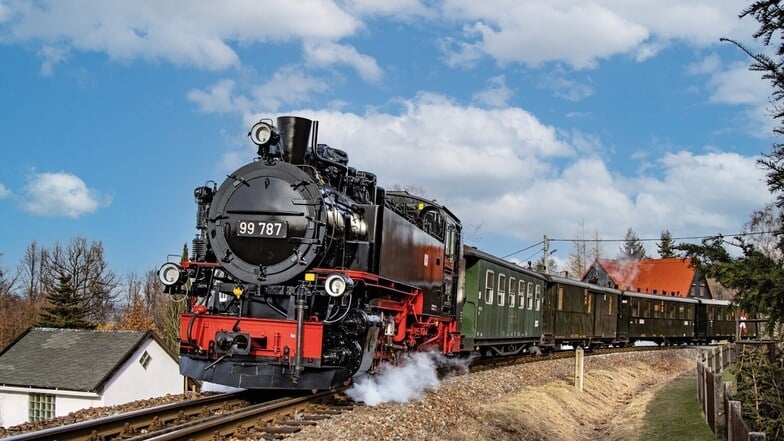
x=667, y=277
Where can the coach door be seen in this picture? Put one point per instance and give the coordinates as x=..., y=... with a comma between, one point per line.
x=700, y=321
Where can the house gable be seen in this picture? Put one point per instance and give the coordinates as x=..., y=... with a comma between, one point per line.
x=670, y=277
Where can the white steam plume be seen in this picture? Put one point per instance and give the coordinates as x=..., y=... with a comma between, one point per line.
x=416, y=374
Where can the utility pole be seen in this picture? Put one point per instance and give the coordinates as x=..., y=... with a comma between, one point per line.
x=546, y=242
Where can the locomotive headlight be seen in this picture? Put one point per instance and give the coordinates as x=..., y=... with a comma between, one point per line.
x=337, y=284
x=170, y=274
x=261, y=133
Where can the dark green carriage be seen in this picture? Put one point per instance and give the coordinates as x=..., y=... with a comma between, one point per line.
x=580, y=313
x=500, y=305
x=657, y=318
x=717, y=320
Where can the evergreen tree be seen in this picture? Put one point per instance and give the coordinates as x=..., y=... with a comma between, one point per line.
x=632, y=248
x=666, y=246
x=64, y=310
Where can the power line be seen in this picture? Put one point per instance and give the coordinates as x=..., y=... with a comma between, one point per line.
x=757, y=233
x=524, y=249
x=673, y=238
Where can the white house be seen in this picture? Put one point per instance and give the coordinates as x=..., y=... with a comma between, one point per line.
x=52, y=372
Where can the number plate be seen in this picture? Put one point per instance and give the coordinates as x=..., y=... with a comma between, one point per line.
x=261, y=229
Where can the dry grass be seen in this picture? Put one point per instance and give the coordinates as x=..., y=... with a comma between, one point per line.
x=612, y=406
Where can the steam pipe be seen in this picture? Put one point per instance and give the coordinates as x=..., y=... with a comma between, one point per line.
x=300, y=310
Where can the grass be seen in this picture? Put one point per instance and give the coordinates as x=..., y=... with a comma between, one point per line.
x=675, y=414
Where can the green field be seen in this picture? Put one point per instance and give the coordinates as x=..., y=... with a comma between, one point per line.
x=675, y=414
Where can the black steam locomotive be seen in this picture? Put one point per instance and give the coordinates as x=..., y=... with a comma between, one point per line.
x=304, y=271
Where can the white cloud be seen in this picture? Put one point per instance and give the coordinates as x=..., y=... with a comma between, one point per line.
x=736, y=85
x=289, y=86
x=59, y=194
x=581, y=33
x=533, y=33
x=195, y=33
x=4, y=192
x=505, y=170
x=325, y=53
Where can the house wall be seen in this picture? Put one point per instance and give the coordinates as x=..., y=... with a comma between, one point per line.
x=129, y=383
x=15, y=403
x=134, y=382
x=13, y=408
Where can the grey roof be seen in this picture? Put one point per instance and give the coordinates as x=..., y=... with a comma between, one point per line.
x=72, y=359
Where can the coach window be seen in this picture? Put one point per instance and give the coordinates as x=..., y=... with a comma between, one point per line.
x=609, y=305
x=530, y=296
x=521, y=294
x=538, y=296
x=501, y=289
x=587, y=300
x=560, y=298
x=512, y=291
x=635, y=307
x=489, y=283
x=681, y=312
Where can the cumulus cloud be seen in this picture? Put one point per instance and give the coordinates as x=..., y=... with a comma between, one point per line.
x=507, y=171
x=60, y=194
x=582, y=33
x=194, y=33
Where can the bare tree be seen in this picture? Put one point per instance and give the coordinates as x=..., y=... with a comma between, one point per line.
x=764, y=228
x=7, y=282
x=90, y=277
x=30, y=272
x=165, y=309
x=583, y=254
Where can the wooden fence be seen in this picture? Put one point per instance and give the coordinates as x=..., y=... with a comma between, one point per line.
x=722, y=414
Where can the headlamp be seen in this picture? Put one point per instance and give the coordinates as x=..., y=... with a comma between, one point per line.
x=337, y=284
x=170, y=274
x=261, y=133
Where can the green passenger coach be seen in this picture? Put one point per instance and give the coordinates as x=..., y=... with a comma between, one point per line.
x=500, y=305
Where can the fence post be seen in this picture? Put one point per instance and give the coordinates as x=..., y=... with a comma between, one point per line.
x=579, y=365
x=719, y=418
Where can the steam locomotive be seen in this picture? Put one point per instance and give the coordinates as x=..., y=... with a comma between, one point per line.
x=305, y=272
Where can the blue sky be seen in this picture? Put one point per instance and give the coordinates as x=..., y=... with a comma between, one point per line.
x=526, y=118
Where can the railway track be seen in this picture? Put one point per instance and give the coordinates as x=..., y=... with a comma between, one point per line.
x=236, y=416
x=217, y=417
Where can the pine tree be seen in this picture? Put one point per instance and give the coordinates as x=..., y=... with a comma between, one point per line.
x=65, y=310
x=666, y=246
x=632, y=248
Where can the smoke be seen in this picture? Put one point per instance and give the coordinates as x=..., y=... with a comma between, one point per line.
x=410, y=379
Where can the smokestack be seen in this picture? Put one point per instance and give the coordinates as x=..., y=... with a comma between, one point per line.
x=294, y=136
